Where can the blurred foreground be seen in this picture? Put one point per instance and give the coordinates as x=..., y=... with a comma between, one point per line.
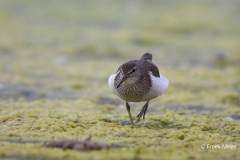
x=56, y=57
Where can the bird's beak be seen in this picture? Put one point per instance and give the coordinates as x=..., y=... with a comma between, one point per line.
x=122, y=80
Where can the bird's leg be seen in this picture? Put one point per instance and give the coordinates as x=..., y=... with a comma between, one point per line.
x=143, y=112
x=129, y=113
x=140, y=114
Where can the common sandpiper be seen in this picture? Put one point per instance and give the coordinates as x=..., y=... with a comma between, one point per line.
x=138, y=81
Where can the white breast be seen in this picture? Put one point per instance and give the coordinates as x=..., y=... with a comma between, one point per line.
x=111, y=83
x=159, y=86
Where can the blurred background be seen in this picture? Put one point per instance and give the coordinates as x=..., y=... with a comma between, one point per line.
x=68, y=49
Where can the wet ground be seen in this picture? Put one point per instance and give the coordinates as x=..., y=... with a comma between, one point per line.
x=56, y=57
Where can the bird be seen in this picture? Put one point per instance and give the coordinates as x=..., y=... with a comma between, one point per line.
x=138, y=81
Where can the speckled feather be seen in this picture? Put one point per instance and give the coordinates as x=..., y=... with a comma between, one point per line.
x=142, y=88
x=135, y=92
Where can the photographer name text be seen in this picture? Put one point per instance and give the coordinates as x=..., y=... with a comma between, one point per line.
x=219, y=146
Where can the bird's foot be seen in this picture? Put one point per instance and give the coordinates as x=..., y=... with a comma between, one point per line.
x=129, y=123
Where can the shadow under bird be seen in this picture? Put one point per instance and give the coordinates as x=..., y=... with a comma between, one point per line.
x=138, y=81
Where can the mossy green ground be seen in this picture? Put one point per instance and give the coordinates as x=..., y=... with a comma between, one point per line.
x=56, y=57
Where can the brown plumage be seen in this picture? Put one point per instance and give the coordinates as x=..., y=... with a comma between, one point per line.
x=138, y=81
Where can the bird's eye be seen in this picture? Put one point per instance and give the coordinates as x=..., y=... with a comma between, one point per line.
x=133, y=70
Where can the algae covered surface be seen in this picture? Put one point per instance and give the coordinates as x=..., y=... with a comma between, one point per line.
x=56, y=57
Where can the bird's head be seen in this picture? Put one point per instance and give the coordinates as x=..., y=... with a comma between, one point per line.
x=129, y=74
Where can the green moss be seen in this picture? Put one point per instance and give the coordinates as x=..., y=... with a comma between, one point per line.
x=232, y=98
x=56, y=59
